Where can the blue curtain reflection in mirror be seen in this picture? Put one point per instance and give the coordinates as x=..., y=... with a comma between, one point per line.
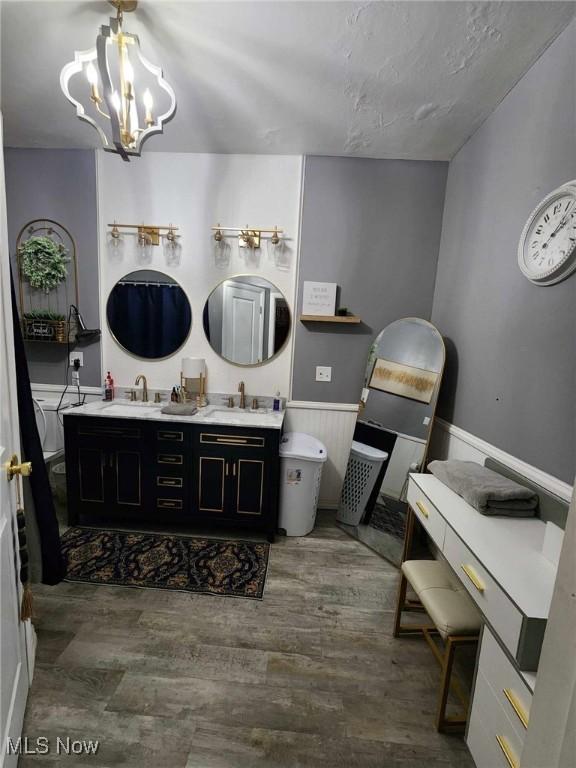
x=149, y=314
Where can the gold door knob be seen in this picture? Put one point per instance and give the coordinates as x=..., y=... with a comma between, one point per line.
x=23, y=469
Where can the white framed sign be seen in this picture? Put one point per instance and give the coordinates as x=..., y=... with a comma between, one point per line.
x=319, y=298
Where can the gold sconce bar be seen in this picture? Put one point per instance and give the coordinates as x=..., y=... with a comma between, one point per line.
x=248, y=237
x=148, y=234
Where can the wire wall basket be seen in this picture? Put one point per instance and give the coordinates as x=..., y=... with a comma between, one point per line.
x=45, y=314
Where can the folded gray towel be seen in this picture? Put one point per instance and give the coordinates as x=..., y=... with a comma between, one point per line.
x=180, y=409
x=485, y=490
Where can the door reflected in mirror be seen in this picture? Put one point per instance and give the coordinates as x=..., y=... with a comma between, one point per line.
x=149, y=314
x=246, y=320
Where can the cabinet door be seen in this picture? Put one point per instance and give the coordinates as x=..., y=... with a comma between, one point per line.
x=91, y=469
x=126, y=477
x=213, y=472
x=249, y=474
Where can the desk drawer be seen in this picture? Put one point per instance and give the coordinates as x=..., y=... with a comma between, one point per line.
x=427, y=514
x=502, y=746
x=496, y=606
x=507, y=685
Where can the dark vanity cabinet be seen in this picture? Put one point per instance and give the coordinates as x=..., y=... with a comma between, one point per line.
x=105, y=467
x=235, y=476
x=128, y=470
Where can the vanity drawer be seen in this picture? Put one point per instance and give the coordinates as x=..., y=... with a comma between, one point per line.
x=502, y=743
x=492, y=601
x=168, y=481
x=113, y=431
x=169, y=459
x=427, y=514
x=170, y=435
x=240, y=440
x=507, y=685
x=167, y=503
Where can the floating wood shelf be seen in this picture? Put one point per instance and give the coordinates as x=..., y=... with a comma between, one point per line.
x=354, y=319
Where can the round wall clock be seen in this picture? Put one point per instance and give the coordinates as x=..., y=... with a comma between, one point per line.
x=547, y=247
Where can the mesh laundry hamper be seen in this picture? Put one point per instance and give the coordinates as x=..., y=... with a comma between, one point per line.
x=364, y=465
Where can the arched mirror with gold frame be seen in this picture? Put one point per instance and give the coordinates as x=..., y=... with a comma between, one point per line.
x=246, y=320
x=401, y=387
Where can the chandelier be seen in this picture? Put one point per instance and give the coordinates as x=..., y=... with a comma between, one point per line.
x=121, y=94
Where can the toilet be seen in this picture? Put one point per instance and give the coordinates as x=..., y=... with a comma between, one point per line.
x=48, y=421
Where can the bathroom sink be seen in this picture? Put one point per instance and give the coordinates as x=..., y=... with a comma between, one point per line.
x=234, y=415
x=130, y=409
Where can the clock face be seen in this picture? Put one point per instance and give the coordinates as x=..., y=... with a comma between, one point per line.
x=547, y=248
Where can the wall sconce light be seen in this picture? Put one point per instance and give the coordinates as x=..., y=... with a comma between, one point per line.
x=172, y=247
x=221, y=249
x=115, y=243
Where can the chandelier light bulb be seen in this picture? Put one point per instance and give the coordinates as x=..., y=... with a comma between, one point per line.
x=91, y=74
x=128, y=71
x=148, y=104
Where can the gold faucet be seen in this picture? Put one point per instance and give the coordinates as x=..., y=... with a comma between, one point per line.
x=142, y=378
x=242, y=403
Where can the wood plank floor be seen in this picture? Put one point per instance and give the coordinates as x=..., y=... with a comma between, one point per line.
x=309, y=676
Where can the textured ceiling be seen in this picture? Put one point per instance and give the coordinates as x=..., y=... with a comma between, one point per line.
x=373, y=79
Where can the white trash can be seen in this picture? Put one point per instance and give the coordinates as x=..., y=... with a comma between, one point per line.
x=364, y=465
x=301, y=460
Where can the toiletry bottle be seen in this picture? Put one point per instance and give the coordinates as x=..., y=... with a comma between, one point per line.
x=277, y=404
x=112, y=387
x=107, y=388
x=173, y=395
x=109, y=394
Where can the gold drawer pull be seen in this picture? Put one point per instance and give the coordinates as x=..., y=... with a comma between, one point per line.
x=516, y=706
x=507, y=750
x=423, y=509
x=473, y=576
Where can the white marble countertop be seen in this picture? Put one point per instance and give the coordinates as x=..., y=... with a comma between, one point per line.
x=263, y=418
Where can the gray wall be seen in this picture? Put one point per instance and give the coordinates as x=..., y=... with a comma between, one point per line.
x=60, y=185
x=511, y=346
x=373, y=227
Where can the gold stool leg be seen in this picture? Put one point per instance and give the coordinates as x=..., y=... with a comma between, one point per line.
x=400, y=604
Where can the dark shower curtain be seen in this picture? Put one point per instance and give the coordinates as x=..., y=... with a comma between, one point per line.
x=53, y=568
x=150, y=320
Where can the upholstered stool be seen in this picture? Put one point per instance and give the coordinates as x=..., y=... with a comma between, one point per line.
x=454, y=617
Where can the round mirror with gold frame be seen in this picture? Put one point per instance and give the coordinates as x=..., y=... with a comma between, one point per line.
x=246, y=320
x=149, y=314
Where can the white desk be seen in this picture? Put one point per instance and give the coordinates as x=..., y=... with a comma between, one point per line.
x=500, y=562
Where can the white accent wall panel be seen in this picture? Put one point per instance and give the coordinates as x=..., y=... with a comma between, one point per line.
x=195, y=192
x=333, y=424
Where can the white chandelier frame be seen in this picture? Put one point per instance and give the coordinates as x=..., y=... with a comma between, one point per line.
x=98, y=57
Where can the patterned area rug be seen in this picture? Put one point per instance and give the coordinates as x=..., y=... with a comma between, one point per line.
x=390, y=518
x=159, y=561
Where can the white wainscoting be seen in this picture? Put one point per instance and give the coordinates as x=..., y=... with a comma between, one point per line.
x=333, y=424
x=55, y=390
x=451, y=442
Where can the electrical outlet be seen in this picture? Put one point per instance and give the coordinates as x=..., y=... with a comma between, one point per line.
x=323, y=373
x=77, y=356
x=426, y=420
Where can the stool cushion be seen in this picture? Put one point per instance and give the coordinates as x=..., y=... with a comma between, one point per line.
x=443, y=596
